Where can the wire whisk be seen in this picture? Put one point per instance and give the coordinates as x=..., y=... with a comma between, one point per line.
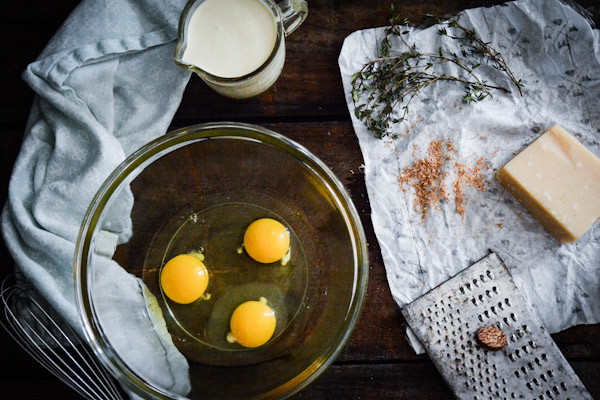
x=34, y=325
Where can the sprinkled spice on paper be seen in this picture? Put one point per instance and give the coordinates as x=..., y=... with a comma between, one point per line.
x=427, y=176
x=468, y=176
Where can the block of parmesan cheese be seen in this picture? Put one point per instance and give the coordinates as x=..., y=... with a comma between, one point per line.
x=557, y=180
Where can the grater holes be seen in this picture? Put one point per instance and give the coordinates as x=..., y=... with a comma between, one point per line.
x=526, y=328
x=550, y=373
x=495, y=289
x=524, y=370
x=476, y=282
x=493, y=309
x=530, y=365
x=563, y=386
x=513, y=317
x=543, y=377
x=549, y=394
x=474, y=301
x=555, y=388
x=486, y=313
x=507, y=302
x=526, y=349
x=500, y=305
x=506, y=321
x=462, y=290
x=536, y=382
x=519, y=333
x=489, y=274
x=537, y=361
x=533, y=344
x=482, y=278
x=544, y=357
x=517, y=374
x=468, y=286
x=488, y=293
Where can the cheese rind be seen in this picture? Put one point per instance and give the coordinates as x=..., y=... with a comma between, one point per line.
x=558, y=181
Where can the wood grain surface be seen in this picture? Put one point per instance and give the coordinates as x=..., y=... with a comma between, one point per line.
x=306, y=104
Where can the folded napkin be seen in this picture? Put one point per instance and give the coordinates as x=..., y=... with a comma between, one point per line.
x=554, y=49
x=105, y=85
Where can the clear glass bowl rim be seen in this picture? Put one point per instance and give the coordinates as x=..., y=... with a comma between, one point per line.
x=163, y=145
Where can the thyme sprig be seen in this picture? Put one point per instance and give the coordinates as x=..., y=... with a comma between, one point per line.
x=396, y=77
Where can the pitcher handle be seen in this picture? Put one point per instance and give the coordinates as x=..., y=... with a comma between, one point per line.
x=294, y=12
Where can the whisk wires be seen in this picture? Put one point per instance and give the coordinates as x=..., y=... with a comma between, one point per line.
x=53, y=343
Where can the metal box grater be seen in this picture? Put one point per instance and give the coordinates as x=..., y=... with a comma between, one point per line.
x=446, y=321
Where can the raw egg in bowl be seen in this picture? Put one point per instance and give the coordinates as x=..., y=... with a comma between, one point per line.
x=220, y=260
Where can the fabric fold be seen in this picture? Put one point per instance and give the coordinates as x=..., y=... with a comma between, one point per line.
x=105, y=85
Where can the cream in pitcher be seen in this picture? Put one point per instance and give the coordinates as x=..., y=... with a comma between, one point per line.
x=237, y=46
x=230, y=38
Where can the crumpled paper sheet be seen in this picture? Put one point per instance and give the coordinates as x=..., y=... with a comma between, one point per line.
x=556, y=53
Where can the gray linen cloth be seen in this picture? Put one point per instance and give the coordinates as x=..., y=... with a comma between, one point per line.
x=105, y=85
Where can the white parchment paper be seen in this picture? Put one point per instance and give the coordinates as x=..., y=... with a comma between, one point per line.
x=556, y=53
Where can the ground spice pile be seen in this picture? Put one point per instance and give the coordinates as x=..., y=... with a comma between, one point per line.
x=427, y=177
x=468, y=176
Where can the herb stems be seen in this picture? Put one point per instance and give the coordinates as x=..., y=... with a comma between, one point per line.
x=395, y=78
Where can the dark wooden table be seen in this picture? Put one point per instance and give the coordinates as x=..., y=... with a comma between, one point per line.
x=306, y=104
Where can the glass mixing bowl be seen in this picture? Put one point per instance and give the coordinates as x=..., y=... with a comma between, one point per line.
x=196, y=189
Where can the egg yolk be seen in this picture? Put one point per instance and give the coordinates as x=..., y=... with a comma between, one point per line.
x=184, y=279
x=266, y=240
x=252, y=324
